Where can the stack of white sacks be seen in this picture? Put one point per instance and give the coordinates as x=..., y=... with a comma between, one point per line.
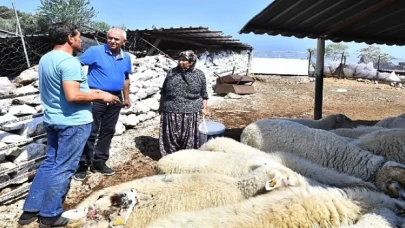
x=361, y=70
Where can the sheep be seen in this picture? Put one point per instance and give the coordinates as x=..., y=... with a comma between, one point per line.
x=377, y=218
x=238, y=165
x=357, y=131
x=319, y=146
x=197, y=161
x=162, y=194
x=391, y=122
x=116, y=209
x=289, y=207
x=330, y=122
x=389, y=143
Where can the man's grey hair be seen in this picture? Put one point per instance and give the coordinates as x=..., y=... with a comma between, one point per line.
x=124, y=34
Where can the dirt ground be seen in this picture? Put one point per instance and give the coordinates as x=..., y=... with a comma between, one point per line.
x=276, y=97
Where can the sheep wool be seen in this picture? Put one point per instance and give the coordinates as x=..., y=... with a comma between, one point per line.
x=163, y=194
x=289, y=207
x=389, y=143
x=197, y=161
x=330, y=122
x=356, y=132
x=319, y=146
x=296, y=163
x=392, y=122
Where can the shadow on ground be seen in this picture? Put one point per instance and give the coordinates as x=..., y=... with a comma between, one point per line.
x=148, y=146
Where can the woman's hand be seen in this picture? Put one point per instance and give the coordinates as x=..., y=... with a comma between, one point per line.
x=205, y=111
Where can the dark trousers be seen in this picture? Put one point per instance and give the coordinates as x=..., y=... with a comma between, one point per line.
x=105, y=118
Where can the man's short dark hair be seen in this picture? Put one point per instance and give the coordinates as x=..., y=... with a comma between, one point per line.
x=59, y=32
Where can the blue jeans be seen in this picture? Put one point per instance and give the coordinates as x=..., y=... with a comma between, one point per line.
x=51, y=183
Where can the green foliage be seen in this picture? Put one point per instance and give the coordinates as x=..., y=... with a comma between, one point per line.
x=334, y=51
x=77, y=12
x=100, y=26
x=8, y=22
x=371, y=53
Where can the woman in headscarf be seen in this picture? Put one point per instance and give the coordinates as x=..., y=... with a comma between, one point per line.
x=183, y=97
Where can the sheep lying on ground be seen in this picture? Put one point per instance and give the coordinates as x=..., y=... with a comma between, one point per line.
x=378, y=218
x=391, y=122
x=330, y=122
x=356, y=132
x=322, y=147
x=389, y=143
x=117, y=209
x=163, y=194
x=289, y=207
x=237, y=159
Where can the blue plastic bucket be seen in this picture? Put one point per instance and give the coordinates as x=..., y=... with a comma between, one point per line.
x=210, y=129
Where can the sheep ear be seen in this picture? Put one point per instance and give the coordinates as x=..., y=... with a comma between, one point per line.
x=270, y=185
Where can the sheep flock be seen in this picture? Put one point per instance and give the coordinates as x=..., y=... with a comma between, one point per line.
x=282, y=173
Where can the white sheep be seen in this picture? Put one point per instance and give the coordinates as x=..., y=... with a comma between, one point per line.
x=298, y=164
x=163, y=194
x=391, y=122
x=322, y=147
x=330, y=122
x=389, y=143
x=357, y=131
x=236, y=159
x=377, y=218
x=197, y=161
x=289, y=207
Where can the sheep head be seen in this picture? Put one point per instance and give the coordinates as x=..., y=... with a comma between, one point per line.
x=391, y=180
x=343, y=121
x=111, y=209
x=280, y=178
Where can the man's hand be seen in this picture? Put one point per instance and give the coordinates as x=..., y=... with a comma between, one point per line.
x=109, y=98
x=127, y=103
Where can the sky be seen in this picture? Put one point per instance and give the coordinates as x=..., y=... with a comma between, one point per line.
x=228, y=16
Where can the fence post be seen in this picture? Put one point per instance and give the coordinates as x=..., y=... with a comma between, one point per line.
x=21, y=35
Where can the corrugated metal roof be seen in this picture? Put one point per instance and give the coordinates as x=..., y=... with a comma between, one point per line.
x=369, y=21
x=197, y=36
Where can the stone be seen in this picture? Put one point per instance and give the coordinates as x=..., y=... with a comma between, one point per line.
x=29, y=152
x=8, y=138
x=19, y=110
x=26, y=89
x=27, y=77
x=6, y=87
x=29, y=100
x=5, y=105
x=4, y=165
x=119, y=128
x=131, y=121
x=232, y=96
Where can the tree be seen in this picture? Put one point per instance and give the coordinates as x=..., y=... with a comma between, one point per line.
x=312, y=52
x=371, y=53
x=29, y=22
x=100, y=26
x=334, y=51
x=77, y=12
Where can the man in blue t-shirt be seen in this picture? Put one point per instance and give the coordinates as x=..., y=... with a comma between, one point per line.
x=66, y=97
x=109, y=69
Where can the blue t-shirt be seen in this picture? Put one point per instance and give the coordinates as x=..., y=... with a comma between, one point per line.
x=54, y=68
x=106, y=71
